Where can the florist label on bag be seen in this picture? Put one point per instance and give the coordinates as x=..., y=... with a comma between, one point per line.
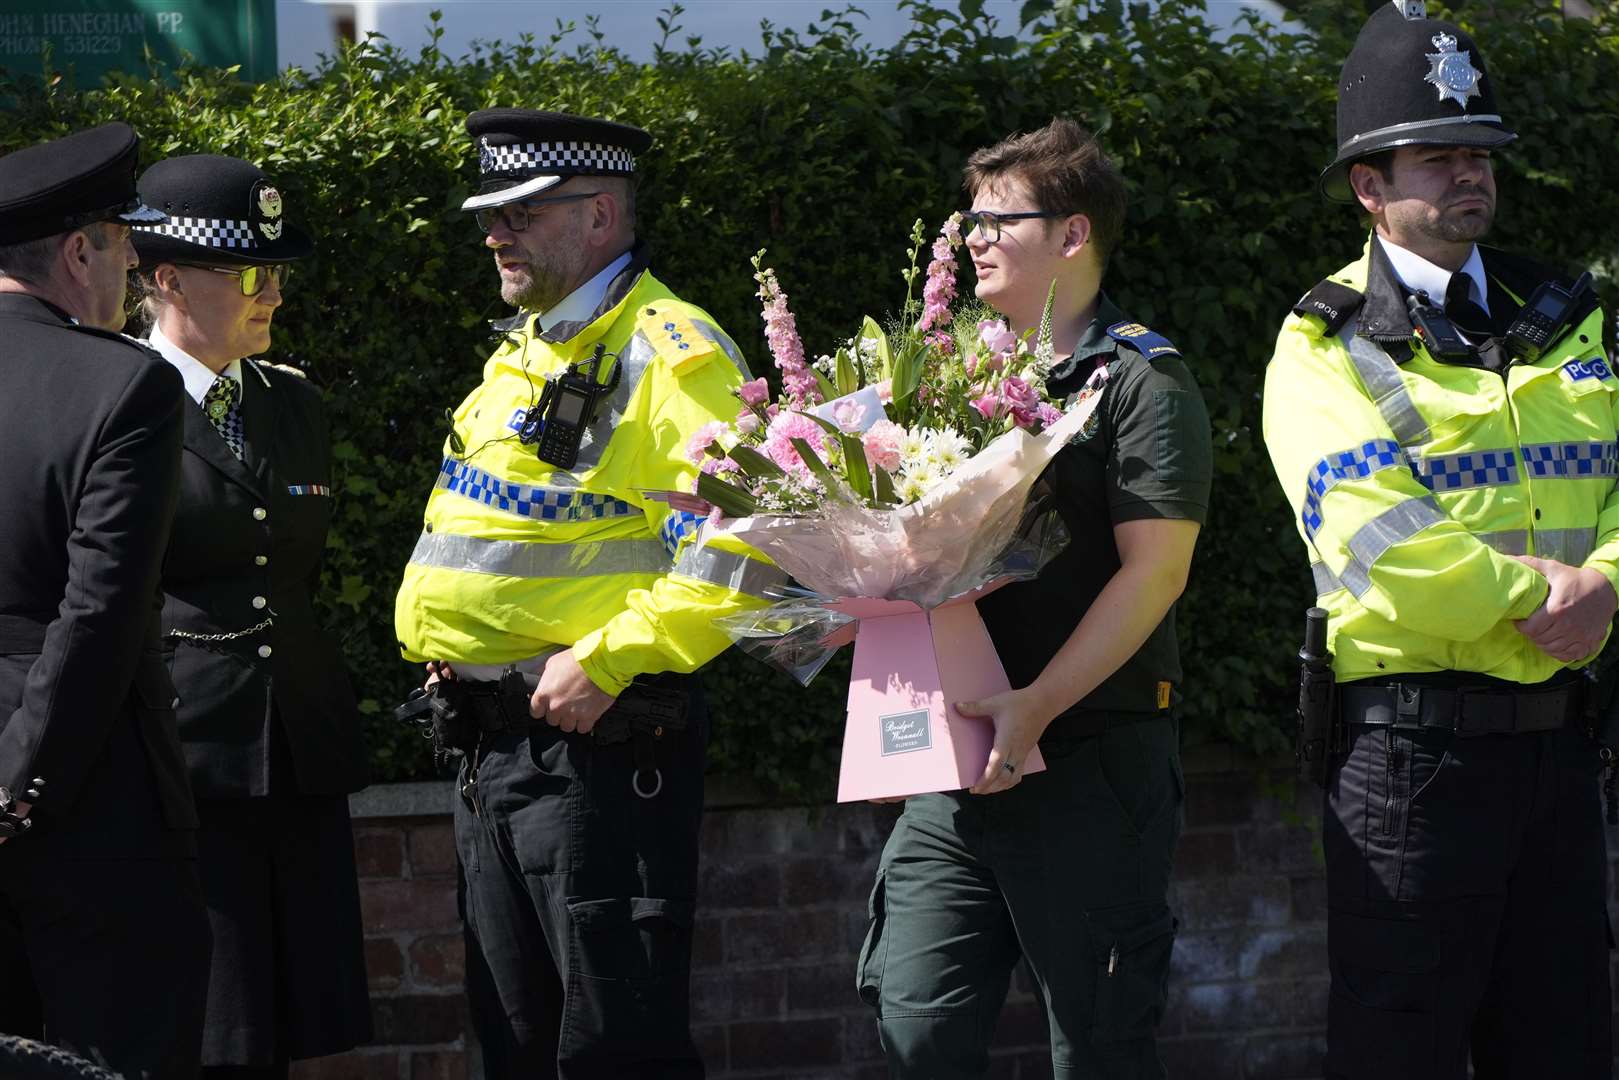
x=905, y=732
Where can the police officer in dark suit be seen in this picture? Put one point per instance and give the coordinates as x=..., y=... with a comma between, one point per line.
x=267, y=716
x=104, y=941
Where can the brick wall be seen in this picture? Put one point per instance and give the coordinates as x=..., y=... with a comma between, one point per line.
x=783, y=894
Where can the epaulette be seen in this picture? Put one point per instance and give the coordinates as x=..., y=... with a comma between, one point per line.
x=288, y=368
x=1148, y=343
x=674, y=337
x=1333, y=302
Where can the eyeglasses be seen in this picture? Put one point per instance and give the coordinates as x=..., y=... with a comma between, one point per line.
x=516, y=216
x=989, y=222
x=251, y=279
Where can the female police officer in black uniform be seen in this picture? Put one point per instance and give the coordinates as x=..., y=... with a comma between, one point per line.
x=266, y=713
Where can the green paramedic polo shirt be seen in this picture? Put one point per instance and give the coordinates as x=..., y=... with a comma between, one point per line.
x=1148, y=455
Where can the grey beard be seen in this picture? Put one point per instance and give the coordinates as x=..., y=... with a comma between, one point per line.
x=540, y=295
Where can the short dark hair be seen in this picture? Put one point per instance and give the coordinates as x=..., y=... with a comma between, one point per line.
x=30, y=261
x=1381, y=160
x=1065, y=170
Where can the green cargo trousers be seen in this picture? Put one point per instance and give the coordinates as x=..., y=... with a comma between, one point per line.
x=1069, y=870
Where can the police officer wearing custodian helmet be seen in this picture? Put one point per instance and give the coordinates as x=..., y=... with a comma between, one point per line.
x=267, y=716
x=1441, y=416
x=103, y=935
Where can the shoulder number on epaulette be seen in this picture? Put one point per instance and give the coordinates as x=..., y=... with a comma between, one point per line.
x=1148, y=343
x=676, y=339
x=1333, y=302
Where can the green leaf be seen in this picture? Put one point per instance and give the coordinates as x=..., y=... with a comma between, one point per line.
x=818, y=467
x=848, y=378
x=828, y=391
x=753, y=463
x=870, y=329
x=854, y=454
x=883, y=486
x=732, y=500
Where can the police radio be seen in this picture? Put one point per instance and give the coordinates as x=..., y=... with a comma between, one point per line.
x=1439, y=335
x=1543, y=318
x=568, y=406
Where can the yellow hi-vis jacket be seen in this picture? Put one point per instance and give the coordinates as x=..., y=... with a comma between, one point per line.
x=517, y=556
x=1413, y=482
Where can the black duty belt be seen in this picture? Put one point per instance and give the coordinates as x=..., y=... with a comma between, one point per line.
x=1464, y=711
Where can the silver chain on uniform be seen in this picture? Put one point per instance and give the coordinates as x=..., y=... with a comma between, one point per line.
x=235, y=635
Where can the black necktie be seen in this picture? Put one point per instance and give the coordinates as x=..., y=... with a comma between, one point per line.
x=1460, y=309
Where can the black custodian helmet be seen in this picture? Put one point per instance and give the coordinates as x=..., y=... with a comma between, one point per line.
x=1411, y=80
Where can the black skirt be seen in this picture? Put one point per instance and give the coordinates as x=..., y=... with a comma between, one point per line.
x=288, y=978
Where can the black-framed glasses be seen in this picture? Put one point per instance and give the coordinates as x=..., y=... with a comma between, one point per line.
x=251, y=279
x=516, y=216
x=989, y=222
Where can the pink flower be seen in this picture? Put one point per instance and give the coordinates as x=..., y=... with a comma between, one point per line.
x=748, y=422
x=989, y=407
x=885, y=391
x=697, y=446
x=1025, y=417
x=1049, y=414
x=778, y=445
x=1019, y=394
x=940, y=289
x=971, y=364
x=715, y=516
x=848, y=415
x=942, y=341
x=781, y=331
x=997, y=336
x=756, y=392
x=882, y=443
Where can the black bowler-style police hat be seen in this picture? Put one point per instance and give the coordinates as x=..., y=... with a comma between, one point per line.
x=1411, y=81
x=70, y=182
x=522, y=152
x=222, y=211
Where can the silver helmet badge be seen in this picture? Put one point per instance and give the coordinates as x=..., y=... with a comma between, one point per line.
x=1453, y=73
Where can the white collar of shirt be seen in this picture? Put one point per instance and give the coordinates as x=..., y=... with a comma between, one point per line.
x=582, y=303
x=1420, y=275
x=197, y=375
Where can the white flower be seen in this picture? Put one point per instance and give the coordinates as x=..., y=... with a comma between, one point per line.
x=950, y=450
x=911, y=487
x=915, y=447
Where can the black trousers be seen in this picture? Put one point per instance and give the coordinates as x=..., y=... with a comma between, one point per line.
x=1466, y=908
x=577, y=897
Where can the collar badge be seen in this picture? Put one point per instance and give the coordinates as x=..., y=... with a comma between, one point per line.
x=1453, y=73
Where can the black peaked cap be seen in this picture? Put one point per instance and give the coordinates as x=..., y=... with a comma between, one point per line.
x=1411, y=82
x=522, y=152
x=68, y=183
x=223, y=211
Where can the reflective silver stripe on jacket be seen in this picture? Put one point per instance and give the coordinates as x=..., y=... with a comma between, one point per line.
x=1326, y=582
x=1468, y=469
x=633, y=360
x=723, y=340
x=522, y=559
x=1506, y=541
x=729, y=569
x=1371, y=540
x=1382, y=378
x=1571, y=546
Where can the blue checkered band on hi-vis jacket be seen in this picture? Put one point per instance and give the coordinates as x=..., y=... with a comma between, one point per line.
x=545, y=504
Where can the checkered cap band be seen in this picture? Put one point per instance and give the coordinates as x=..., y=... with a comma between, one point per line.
x=539, y=157
x=209, y=232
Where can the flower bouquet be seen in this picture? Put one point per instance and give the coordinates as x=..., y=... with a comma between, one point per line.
x=891, y=480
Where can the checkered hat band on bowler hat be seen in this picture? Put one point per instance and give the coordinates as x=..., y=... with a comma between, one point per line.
x=210, y=232
x=556, y=155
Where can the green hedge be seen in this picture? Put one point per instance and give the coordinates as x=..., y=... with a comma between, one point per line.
x=824, y=151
